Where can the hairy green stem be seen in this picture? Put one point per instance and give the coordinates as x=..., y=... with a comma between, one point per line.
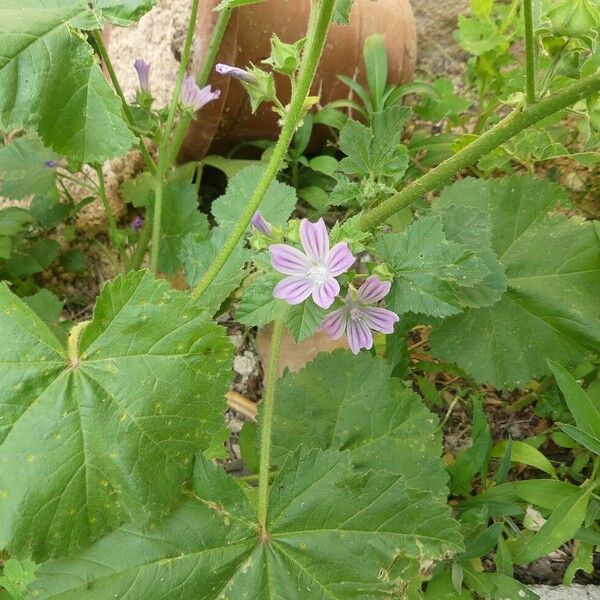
x=530, y=52
x=266, y=425
x=163, y=148
x=112, y=224
x=517, y=121
x=202, y=77
x=115, y=81
x=318, y=27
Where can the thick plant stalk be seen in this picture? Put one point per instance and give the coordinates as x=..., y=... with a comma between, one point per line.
x=517, y=121
x=202, y=78
x=318, y=27
x=530, y=52
x=163, y=149
x=266, y=426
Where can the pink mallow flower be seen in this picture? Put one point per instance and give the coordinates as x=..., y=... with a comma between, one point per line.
x=193, y=97
x=358, y=317
x=313, y=271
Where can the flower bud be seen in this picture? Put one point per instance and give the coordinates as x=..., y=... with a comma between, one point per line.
x=262, y=225
x=573, y=18
x=236, y=73
x=143, y=72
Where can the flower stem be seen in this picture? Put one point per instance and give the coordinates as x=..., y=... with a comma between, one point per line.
x=163, y=148
x=318, y=26
x=202, y=78
x=517, y=121
x=267, y=425
x=110, y=217
x=530, y=52
x=115, y=81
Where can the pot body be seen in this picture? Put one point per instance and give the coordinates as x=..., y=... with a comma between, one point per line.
x=223, y=124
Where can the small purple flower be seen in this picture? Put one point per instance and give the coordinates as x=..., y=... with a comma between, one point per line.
x=193, y=97
x=143, y=73
x=235, y=72
x=313, y=271
x=358, y=317
x=262, y=225
x=137, y=224
x=51, y=164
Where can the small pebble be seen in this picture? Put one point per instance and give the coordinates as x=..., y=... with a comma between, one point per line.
x=244, y=365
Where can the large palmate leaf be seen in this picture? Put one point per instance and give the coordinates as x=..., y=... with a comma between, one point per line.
x=553, y=275
x=331, y=533
x=46, y=67
x=276, y=207
x=429, y=270
x=352, y=403
x=106, y=432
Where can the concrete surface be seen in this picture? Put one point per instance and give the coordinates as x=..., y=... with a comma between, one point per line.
x=574, y=592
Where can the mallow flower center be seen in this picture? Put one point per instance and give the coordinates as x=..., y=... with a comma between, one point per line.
x=319, y=273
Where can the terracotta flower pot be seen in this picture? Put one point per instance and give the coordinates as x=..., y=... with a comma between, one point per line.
x=225, y=123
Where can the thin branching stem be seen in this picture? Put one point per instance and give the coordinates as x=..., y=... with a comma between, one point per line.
x=266, y=425
x=163, y=149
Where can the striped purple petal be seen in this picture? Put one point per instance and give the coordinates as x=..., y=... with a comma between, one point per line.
x=340, y=259
x=380, y=319
x=294, y=289
x=288, y=260
x=359, y=336
x=324, y=293
x=261, y=224
x=334, y=323
x=373, y=290
x=235, y=72
x=315, y=239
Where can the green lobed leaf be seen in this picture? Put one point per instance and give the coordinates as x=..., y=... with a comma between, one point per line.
x=304, y=319
x=197, y=255
x=48, y=307
x=80, y=115
x=429, y=271
x=47, y=68
x=276, y=207
x=376, y=151
x=23, y=170
x=472, y=228
x=181, y=218
x=83, y=436
x=257, y=306
x=353, y=403
x=332, y=533
x=549, y=308
x=16, y=576
x=13, y=220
